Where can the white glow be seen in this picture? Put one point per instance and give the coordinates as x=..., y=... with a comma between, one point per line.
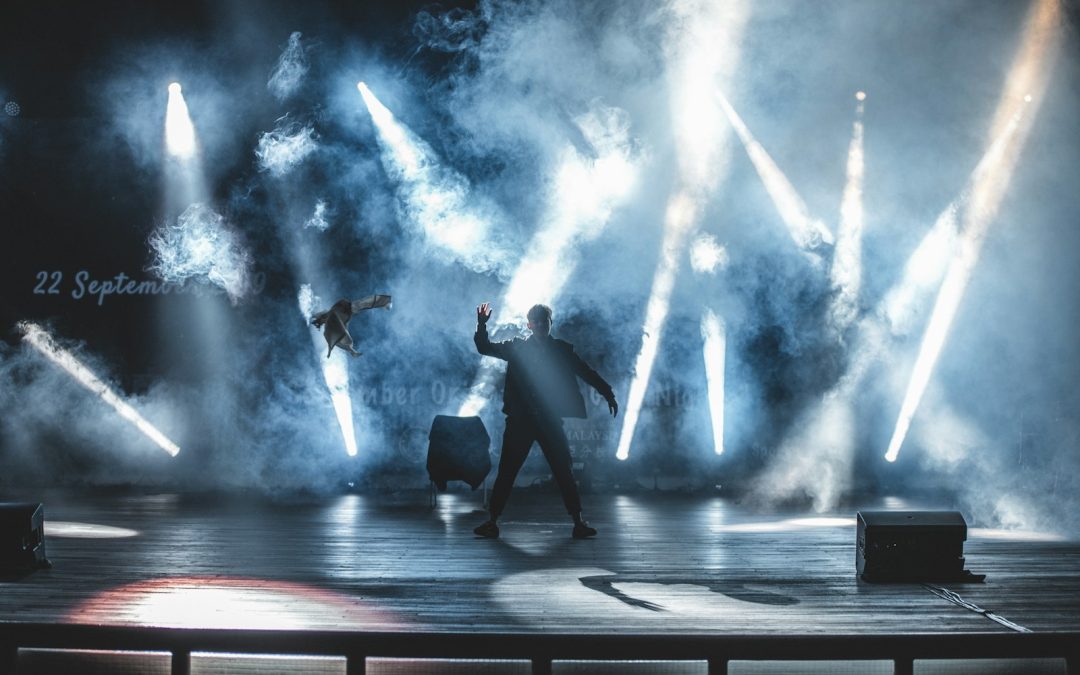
x=335, y=372
x=1028, y=73
x=433, y=197
x=179, y=132
x=807, y=232
x=43, y=342
x=788, y=525
x=846, y=273
x=703, y=43
x=707, y=255
x=69, y=530
x=231, y=603
x=714, y=334
x=1012, y=535
x=584, y=193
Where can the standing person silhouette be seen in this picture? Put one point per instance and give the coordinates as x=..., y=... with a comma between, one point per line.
x=541, y=389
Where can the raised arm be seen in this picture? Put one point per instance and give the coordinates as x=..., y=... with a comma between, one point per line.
x=484, y=345
x=585, y=372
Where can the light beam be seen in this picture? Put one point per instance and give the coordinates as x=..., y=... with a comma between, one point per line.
x=704, y=41
x=807, y=232
x=335, y=372
x=43, y=343
x=715, y=337
x=432, y=197
x=584, y=193
x=179, y=131
x=846, y=272
x=1024, y=87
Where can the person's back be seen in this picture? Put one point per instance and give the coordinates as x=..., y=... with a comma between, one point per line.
x=541, y=388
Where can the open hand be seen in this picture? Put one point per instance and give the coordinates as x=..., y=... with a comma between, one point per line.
x=483, y=313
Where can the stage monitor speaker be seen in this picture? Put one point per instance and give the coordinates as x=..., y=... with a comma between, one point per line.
x=22, y=537
x=458, y=449
x=911, y=546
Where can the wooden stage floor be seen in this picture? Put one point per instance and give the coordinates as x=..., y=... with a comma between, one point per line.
x=661, y=564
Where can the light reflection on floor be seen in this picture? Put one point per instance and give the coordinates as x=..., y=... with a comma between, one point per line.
x=787, y=525
x=69, y=530
x=232, y=602
x=1012, y=535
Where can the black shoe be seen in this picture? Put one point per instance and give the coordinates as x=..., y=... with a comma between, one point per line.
x=583, y=531
x=490, y=530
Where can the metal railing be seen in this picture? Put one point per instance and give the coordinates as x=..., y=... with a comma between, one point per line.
x=540, y=649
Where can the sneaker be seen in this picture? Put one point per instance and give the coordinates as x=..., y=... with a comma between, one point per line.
x=490, y=530
x=583, y=531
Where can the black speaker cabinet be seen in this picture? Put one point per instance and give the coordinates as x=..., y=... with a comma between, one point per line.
x=22, y=537
x=458, y=449
x=911, y=546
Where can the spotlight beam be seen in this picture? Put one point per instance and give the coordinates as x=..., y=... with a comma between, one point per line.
x=682, y=212
x=43, y=343
x=699, y=28
x=585, y=193
x=335, y=373
x=431, y=196
x=1024, y=87
x=846, y=272
x=715, y=338
x=807, y=232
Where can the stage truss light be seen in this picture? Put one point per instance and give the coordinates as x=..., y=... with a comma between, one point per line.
x=40, y=340
x=179, y=131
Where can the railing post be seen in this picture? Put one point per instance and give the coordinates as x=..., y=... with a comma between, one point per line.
x=903, y=666
x=355, y=664
x=718, y=666
x=541, y=666
x=9, y=658
x=181, y=662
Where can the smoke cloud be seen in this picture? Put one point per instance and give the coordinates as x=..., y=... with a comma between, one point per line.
x=564, y=152
x=200, y=245
x=290, y=70
x=280, y=150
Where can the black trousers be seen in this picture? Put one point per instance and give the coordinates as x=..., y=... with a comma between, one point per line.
x=521, y=432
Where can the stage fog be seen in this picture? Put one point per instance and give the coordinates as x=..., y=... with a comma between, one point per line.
x=820, y=250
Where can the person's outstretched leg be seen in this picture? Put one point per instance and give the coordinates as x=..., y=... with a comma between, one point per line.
x=556, y=449
x=517, y=439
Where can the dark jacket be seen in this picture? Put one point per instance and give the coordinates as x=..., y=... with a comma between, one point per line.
x=541, y=375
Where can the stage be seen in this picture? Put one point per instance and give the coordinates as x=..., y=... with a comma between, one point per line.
x=664, y=564
x=661, y=564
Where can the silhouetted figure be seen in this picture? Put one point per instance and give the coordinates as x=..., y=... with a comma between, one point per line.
x=541, y=389
x=336, y=319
